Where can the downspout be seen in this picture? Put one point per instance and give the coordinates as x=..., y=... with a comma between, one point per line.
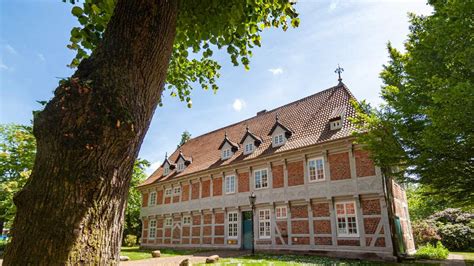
x=388, y=193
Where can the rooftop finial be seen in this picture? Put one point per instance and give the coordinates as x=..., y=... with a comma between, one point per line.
x=247, y=128
x=339, y=70
x=225, y=134
x=166, y=155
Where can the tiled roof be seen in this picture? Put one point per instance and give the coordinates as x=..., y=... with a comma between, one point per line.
x=308, y=119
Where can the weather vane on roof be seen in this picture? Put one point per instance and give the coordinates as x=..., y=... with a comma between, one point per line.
x=339, y=70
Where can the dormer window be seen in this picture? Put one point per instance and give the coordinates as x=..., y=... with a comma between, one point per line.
x=335, y=123
x=280, y=134
x=180, y=166
x=167, y=166
x=182, y=162
x=166, y=170
x=248, y=148
x=226, y=154
x=227, y=148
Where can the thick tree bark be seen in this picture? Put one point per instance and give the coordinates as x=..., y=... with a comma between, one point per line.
x=88, y=136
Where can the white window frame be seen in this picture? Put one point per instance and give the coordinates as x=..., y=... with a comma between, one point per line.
x=346, y=222
x=181, y=166
x=264, y=222
x=232, y=225
x=168, y=221
x=281, y=212
x=152, y=199
x=226, y=153
x=261, y=182
x=152, y=228
x=166, y=170
x=228, y=181
x=177, y=191
x=316, y=176
x=336, y=124
x=278, y=140
x=249, y=147
x=168, y=192
x=186, y=220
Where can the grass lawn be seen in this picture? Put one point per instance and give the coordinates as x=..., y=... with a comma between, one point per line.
x=136, y=253
x=468, y=256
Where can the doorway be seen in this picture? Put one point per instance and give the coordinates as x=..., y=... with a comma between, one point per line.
x=247, y=230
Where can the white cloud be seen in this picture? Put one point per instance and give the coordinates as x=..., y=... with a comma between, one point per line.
x=2, y=65
x=238, y=105
x=152, y=168
x=41, y=57
x=276, y=71
x=10, y=49
x=333, y=5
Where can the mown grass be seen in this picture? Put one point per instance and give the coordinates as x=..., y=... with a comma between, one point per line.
x=137, y=253
x=468, y=257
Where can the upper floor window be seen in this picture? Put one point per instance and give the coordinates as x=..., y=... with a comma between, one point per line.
x=227, y=153
x=232, y=225
x=168, y=192
x=169, y=221
x=187, y=220
x=230, y=184
x=248, y=148
x=152, y=200
x=181, y=166
x=278, y=140
x=346, y=219
x=177, y=190
x=152, y=229
x=316, y=169
x=264, y=224
x=261, y=178
x=281, y=212
x=335, y=124
x=166, y=170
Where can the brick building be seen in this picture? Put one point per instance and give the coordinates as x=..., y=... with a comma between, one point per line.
x=316, y=190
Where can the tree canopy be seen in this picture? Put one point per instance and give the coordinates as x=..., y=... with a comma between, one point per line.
x=202, y=27
x=185, y=136
x=424, y=131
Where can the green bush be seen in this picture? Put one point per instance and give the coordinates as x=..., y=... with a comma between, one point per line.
x=438, y=252
x=424, y=233
x=456, y=236
x=130, y=240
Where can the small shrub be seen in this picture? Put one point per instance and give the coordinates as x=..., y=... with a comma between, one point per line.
x=456, y=236
x=130, y=240
x=424, y=233
x=438, y=252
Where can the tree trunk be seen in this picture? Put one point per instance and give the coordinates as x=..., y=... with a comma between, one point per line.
x=71, y=210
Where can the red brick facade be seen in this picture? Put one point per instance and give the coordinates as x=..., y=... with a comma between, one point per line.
x=206, y=189
x=217, y=186
x=278, y=176
x=185, y=193
x=195, y=191
x=299, y=211
x=295, y=173
x=244, y=184
x=144, y=199
x=364, y=165
x=339, y=166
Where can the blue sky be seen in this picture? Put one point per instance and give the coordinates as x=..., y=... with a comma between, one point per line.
x=289, y=65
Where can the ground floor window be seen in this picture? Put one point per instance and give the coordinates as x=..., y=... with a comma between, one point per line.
x=152, y=229
x=346, y=219
x=232, y=225
x=187, y=220
x=168, y=221
x=281, y=212
x=264, y=224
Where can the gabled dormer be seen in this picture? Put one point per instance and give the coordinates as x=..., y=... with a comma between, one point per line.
x=336, y=118
x=250, y=142
x=182, y=162
x=280, y=133
x=228, y=148
x=167, y=166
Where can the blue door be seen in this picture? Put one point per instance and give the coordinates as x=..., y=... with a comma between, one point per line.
x=247, y=230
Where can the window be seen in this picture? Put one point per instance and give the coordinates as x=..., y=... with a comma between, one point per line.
x=248, y=148
x=180, y=166
x=152, y=200
x=227, y=153
x=232, y=225
x=336, y=124
x=166, y=170
x=346, y=219
x=177, y=190
x=230, y=184
x=281, y=212
x=187, y=220
x=168, y=192
x=278, y=140
x=264, y=224
x=316, y=169
x=261, y=178
x=169, y=221
x=152, y=229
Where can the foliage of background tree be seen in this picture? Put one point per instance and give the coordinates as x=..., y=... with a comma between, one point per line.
x=425, y=130
x=17, y=153
x=133, y=225
x=422, y=206
x=89, y=135
x=184, y=138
